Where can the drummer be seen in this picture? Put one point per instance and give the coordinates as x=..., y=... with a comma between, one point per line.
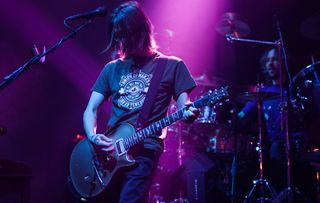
x=271, y=108
x=276, y=162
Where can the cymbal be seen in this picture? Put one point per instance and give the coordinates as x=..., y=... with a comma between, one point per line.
x=311, y=27
x=203, y=80
x=231, y=23
x=254, y=96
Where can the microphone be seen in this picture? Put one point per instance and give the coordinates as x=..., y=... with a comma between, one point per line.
x=100, y=11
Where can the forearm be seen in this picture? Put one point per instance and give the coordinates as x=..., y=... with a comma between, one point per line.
x=90, y=122
x=182, y=100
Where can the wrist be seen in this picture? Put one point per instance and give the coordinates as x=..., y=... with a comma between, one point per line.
x=92, y=137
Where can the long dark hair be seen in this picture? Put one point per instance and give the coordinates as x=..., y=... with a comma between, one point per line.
x=130, y=31
x=263, y=61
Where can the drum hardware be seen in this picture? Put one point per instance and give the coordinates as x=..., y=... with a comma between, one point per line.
x=261, y=184
x=307, y=83
x=156, y=196
x=313, y=157
x=180, y=200
x=232, y=23
x=170, y=161
x=207, y=115
x=306, y=80
x=253, y=96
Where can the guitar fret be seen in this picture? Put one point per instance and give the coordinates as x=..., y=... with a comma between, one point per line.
x=131, y=141
x=125, y=143
x=161, y=123
x=143, y=133
x=170, y=117
x=147, y=131
x=158, y=126
x=178, y=115
x=175, y=118
x=154, y=129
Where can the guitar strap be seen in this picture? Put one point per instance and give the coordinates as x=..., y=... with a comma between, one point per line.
x=152, y=92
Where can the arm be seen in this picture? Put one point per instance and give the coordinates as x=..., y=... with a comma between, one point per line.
x=90, y=114
x=90, y=122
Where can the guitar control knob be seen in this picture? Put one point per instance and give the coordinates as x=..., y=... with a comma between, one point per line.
x=86, y=179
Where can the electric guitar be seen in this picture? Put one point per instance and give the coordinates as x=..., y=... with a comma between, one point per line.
x=91, y=169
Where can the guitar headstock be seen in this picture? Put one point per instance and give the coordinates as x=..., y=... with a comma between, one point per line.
x=213, y=96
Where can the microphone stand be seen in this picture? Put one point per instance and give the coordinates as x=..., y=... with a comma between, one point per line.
x=231, y=38
x=9, y=78
x=286, y=109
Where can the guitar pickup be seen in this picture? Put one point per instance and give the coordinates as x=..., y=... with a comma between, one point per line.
x=120, y=147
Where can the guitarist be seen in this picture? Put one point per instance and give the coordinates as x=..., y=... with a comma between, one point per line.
x=126, y=80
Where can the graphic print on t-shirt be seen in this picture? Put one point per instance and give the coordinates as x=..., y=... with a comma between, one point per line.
x=133, y=89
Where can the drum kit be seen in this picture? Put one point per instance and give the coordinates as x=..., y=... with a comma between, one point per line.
x=215, y=132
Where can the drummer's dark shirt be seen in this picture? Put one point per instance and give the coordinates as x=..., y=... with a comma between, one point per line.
x=272, y=115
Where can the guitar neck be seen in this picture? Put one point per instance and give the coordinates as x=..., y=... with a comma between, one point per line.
x=158, y=126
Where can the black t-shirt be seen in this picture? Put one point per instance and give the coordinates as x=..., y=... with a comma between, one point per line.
x=127, y=83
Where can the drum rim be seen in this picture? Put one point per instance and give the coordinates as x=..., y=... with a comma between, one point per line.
x=305, y=71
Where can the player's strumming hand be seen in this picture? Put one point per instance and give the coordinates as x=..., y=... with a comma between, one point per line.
x=102, y=141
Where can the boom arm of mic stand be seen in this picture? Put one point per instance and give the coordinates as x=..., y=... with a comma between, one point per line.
x=9, y=78
x=230, y=37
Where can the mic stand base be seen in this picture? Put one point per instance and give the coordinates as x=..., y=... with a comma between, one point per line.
x=261, y=184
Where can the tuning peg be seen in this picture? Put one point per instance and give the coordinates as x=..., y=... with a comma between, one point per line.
x=35, y=52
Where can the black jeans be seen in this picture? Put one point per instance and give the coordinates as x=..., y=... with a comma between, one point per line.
x=133, y=184
x=138, y=181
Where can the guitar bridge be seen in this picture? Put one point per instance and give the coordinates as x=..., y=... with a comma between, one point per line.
x=120, y=147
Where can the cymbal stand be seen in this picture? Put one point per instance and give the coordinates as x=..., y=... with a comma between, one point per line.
x=234, y=158
x=262, y=184
x=180, y=153
x=286, y=110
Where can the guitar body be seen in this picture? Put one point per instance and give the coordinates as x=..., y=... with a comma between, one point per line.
x=91, y=170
